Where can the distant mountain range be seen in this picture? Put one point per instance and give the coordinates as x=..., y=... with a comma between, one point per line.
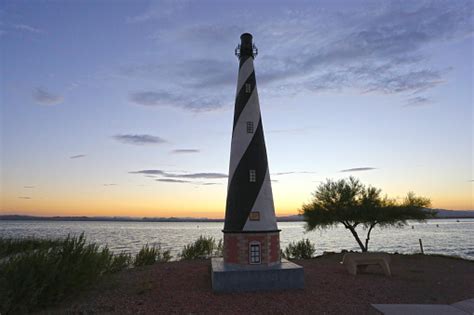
x=442, y=214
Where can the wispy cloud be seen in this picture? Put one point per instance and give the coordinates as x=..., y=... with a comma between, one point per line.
x=44, y=97
x=198, y=175
x=110, y=184
x=170, y=180
x=417, y=101
x=77, y=156
x=290, y=130
x=193, y=103
x=149, y=172
x=182, y=181
x=358, y=169
x=28, y=28
x=370, y=48
x=186, y=176
x=185, y=151
x=293, y=172
x=158, y=9
x=139, y=139
x=29, y=187
x=24, y=197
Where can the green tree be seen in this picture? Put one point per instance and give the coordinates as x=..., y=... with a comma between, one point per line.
x=352, y=204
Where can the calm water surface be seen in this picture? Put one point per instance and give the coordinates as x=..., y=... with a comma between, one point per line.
x=439, y=236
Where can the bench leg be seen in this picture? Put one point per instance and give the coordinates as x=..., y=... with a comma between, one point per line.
x=386, y=268
x=351, y=268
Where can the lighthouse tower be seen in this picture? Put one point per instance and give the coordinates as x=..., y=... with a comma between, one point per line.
x=251, y=235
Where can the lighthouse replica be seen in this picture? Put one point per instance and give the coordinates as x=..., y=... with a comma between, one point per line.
x=251, y=255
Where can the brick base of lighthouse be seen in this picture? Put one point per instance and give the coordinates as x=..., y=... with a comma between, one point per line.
x=237, y=248
x=236, y=272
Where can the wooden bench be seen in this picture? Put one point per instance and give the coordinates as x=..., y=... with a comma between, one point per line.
x=353, y=261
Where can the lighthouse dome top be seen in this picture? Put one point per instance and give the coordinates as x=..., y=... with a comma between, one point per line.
x=246, y=38
x=246, y=48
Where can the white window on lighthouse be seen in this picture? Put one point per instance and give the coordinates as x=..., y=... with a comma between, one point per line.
x=255, y=253
x=248, y=88
x=252, y=176
x=249, y=126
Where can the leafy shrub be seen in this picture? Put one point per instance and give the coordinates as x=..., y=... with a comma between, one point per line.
x=149, y=255
x=219, y=249
x=202, y=248
x=120, y=262
x=302, y=249
x=37, y=278
x=11, y=246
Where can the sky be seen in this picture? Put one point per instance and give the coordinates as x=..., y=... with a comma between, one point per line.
x=125, y=108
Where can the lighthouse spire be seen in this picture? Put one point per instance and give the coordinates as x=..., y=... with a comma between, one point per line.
x=249, y=206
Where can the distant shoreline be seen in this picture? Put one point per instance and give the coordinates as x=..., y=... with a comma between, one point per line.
x=442, y=214
x=125, y=219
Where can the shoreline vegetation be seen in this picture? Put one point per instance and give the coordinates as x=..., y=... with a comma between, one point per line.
x=40, y=273
x=441, y=214
x=37, y=273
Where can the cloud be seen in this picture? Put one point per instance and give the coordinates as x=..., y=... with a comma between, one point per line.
x=149, y=172
x=185, y=151
x=290, y=130
x=24, y=197
x=187, y=176
x=383, y=48
x=29, y=187
x=110, y=184
x=28, y=28
x=198, y=175
x=193, y=103
x=77, y=156
x=294, y=172
x=139, y=139
x=417, y=101
x=170, y=180
x=210, y=184
x=158, y=9
x=44, y=97
x=358, y=169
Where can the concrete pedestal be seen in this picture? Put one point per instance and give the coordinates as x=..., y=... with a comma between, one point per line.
x=237, y=278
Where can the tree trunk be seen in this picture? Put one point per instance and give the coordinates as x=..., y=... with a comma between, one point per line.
x=368, y=236
x=356, y=236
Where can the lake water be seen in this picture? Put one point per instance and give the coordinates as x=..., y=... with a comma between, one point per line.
x=447, y=236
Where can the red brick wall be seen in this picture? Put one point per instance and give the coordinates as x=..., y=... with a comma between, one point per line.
x=236, y=247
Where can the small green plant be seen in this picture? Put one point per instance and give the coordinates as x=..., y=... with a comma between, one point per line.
x=201, y=248
x=302, y=249
x=11, y=246
x=119, y=262
x=219, y=252
x=148, y=255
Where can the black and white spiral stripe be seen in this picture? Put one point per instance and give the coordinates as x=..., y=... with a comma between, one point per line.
x=248, y=152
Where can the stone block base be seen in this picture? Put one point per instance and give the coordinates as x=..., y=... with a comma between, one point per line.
x=235, y=278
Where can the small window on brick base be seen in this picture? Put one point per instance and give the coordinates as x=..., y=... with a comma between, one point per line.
x=255, y=253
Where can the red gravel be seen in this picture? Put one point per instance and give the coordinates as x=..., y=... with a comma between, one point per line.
x=185, y=288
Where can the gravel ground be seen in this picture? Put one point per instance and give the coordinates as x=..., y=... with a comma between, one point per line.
x=185, y=288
